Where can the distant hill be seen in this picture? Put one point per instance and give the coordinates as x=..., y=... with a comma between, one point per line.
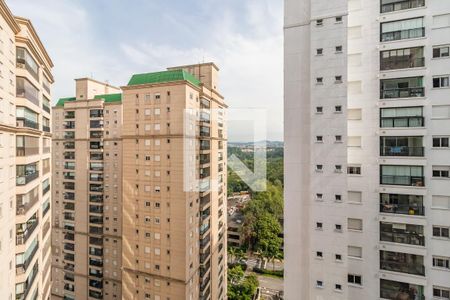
x=269, y=144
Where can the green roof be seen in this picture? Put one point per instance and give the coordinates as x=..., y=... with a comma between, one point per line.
x=110, y=97
x=61, y=101
x=163, y=77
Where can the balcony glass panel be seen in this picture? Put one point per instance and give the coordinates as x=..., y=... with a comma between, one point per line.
x=410, y=234
x=23, y=288
x=394, y=290
x=401, y=146
x=26, y=173
x=395, y=5
x=96, y=145
x=26, y=145
x=69, y=165
x=96, y=134
x=69, y=185
x=69, y=115
x=205, y=145
x=24, y=60
x=402, y=58
x=402, y=29
x=24, y=89
x=402, y=262
x=408, y=87
x=69, y=135
x=24, y=230
x=96, y=113
x=402, y=175
x=402, y=117
x=46, y=84
x=69, y=125
x=23, y=260
x=96, y=166
x=96, y=124
x=46, y=104
x=26, y=118
x=26, y=201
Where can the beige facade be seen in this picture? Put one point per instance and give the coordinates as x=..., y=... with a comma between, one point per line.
x=25, y=171
x=87, y=194
x=174, y=187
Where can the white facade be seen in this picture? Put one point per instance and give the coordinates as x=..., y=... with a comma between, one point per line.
x=392, y=114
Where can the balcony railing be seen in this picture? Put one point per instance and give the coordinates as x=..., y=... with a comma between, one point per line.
x=45, y=189
x=45, y=128
x=402, y=267
x=28, y=283
x=408, y=92
x=22, y=122
x=403, y=209
x=26, y=151
x=402, y=151
x=401, y=62
x=25, y=179
x=403, y=180
x=410, y=238
x=46, y=209
x=400, y=290
x=22, y=268
x=46, y=108
x=21, y=206
x=401, y=5
x=22, y=237
x=416, y=121
x=403, y=34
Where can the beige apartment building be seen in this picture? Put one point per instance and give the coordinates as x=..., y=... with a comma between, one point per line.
x=174, y=185
x=25, y=171
x=87, y=194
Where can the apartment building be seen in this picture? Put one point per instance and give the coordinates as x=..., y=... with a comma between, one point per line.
x=367, y=127
x=87, y=193
x=25, y=171
x=174, y=185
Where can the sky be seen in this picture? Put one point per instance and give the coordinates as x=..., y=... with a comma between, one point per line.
x=113, y=39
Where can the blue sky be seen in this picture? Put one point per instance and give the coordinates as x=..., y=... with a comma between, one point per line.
x=112, y=39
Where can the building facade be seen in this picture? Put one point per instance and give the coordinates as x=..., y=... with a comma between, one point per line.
x=367, y=127
x=174, y=185
x=87, y=194
x=25, y=171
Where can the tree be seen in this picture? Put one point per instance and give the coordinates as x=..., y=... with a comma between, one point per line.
x=241, y=287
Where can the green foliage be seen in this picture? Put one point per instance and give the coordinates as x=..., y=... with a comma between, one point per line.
x=241, y=287
x=277, y=273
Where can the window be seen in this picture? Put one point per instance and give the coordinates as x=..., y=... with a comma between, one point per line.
x=440, y=202
x=402, y=117
x=355, y=224
x=338, y=227
x=440, y=142
x=402, y=58
x=338, y=257
x=319, y=196
x=441, y=82
x=441, y=171
x=354, y=251
x=319, y=109
x=319, y=225
x=394, y=5
x=441, y=231
x=338, y=79
x=354, y=170
x=338, y=138
x=338, y=109
x=441, y=262
x=319, y=139
x=319, y=283
x=319, y=254
x=338, y=198
x=338, y=168
x=441, y=293
x=319, y=80
x=338, y=19
x=440, y=112
x=319, y=22
x=354, y=197
x=441, y=51
x=319, y=51
x=402, y=29
x=338, y=49
x=354, y=114
x=402, y=88
x=319, y=168
x=354, y=279
x=338, y=287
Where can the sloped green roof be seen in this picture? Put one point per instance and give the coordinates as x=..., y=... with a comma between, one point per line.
x=61, y=101
x=110, y=97
x=162, y=77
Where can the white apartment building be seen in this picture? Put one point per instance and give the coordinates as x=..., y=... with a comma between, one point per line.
x=367, y=161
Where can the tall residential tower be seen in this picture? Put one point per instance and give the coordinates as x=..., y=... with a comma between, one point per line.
x=25, y=171
x=367, y=162
x=174, y=185
x=87, y=193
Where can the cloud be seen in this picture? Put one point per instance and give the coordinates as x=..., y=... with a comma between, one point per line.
x=243, y=38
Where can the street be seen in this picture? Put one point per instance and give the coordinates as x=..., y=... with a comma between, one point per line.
x=270, y=286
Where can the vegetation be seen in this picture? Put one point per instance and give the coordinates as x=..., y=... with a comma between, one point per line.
x=241, y=286
x=275, y=273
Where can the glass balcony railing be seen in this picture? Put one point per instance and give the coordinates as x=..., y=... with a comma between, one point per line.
x=396, y=63
x=402, y=151
x=396, y=5
x=413, y=121
x=26, y=258
x=402, y=233
x=23, y=122
x=394, y=290
x=402, y=180
x=402, y=263
x=26, y=178
x=402, y=34
x=24, y=231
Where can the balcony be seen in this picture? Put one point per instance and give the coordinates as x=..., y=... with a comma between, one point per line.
x=96, y=113
x=69, y=196
x=405, y=34
x=23, y=289
x=394, y=290
x=402, y=151
x=96, y=262
x=69, y=216
x=204, y=228
x=205, y=159
x=69, y=115
x=69, y=206
x=26, y=201
x=205, y=145
x=407, y=87
x=401, y=146
x=96, y=188
x=26, y=258
x=205, y=241
x=24, y=89
x=95, y=294
x=96, y=134
x=69, y=267
x=402, y=233
x=96, y=220
x=24, y=60
x=95, y=230
x=69, y=145
x=45, y=128
x=69, y=135
x=96, y=156
x=69, y=287
x=69, y=277
x=27, y=151
x=395, y=5
x=24, y=230
x=407, y=121
x=205, y=201
x=69, y=175
x=46, y=107
x=96, y=198
x=402, y=204
x=69, y=125
x=69, y=185
x=23, y=122
x=26, y=176
x=402, y=59
x=45, y=189
x=95, y=284
x=96, y=209
x=402, y=263
x=403, y=180
x=69, y=247
x=205, y=131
